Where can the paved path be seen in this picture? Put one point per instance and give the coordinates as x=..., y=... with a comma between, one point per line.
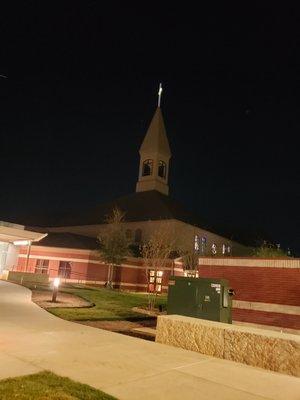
x=31, y=340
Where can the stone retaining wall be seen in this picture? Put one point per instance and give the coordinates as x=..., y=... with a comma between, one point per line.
x=270, y=350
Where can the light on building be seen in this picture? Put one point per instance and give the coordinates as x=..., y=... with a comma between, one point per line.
x=155, y=281
x=21, y=242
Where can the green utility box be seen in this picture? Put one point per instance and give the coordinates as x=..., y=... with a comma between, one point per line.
x=200, y=298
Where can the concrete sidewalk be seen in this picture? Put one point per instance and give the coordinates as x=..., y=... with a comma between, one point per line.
x=31, y=340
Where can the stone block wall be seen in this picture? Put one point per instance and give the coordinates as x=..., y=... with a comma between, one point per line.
x=270, y=350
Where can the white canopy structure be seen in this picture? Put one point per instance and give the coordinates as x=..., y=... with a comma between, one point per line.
x=11, y=237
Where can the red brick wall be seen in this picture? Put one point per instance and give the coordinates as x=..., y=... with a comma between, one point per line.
x=259, y=284
x=131, y=275
x=266, y=318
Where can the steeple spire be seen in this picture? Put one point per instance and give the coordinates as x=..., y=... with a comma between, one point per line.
x=155, y=155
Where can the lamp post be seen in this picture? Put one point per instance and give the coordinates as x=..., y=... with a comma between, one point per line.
x=56, y=283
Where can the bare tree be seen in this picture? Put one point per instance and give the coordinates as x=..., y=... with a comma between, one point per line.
x=114, y=244
x=156, y=252
x=189, y=255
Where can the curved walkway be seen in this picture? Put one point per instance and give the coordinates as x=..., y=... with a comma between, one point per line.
x=31, y=340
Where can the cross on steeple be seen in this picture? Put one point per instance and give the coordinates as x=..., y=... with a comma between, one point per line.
x=159, y=94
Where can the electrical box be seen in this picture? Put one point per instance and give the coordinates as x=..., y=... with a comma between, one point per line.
x=200, y=298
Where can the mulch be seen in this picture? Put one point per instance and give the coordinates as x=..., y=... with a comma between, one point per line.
x=126, y=327
x=66, y=300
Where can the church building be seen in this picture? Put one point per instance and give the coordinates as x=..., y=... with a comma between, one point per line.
x=69, y=249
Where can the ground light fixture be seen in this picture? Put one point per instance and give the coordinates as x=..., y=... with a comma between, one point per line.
x=56, y=284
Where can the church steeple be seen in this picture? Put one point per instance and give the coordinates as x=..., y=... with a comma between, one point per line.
x=155, y=156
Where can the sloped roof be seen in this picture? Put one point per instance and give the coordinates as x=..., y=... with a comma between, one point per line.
x=140, y=206
x=156, y=140
x=68, y=240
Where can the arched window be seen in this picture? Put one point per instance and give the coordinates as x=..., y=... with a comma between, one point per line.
x=223, y=249
x=214, y=249
x=196, y=243
x=162, y=169
x=138, y=236
x=147, y=167
x=203, y=244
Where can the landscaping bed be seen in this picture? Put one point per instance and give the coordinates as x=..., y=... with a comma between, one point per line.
x=126, y=327
x=114, y=310
x=66, y=300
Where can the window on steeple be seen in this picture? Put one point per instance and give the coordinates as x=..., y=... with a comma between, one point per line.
x=162, y=168
x=147, y=167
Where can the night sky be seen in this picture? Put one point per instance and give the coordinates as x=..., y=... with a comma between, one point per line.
x=81, y=89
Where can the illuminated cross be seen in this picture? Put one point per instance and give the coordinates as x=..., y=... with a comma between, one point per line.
x=159, y=94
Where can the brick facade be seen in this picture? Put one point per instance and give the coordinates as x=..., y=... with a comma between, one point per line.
x=267, y=318
x=266, y=285
x=267, y=291
x=85, y=266
x=260, y=282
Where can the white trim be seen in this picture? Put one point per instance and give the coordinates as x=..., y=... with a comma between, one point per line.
x=89, y=261
x=130, y=284
x=176, y=269
x=144, y=285
x=61, y=249
x=45, y=257
x=269, y=307
x=268, y=327
x=250, y=262
x=92, y=281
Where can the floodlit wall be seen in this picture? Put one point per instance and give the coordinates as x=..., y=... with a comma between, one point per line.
x=85, y=267
x=267, y=290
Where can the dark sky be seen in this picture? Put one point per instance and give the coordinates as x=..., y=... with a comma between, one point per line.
x=82, y=88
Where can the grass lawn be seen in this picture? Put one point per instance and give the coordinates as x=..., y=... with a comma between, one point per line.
x=109, y=304
x=48, y=386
